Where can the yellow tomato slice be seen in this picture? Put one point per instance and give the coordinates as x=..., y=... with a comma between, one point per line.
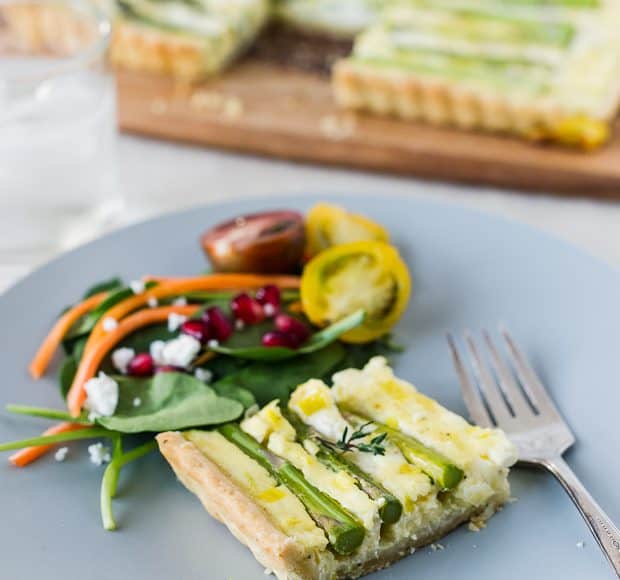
x=369, y=275
x=329, y=225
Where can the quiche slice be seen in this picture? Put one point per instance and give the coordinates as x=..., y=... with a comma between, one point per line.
x=188, y=39
x=543, y=69
x=343, y=481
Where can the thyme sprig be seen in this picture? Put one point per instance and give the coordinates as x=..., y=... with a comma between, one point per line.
x=350, y=441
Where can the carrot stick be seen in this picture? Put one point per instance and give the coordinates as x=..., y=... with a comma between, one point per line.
x=232, y=281
x=186, y=285
x=93, y=357
x=29, y=454
x=52, y=341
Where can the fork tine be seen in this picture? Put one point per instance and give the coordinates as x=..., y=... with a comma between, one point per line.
x=471, y=396
x=507, y=382
x=530, y=381
x=487, y=383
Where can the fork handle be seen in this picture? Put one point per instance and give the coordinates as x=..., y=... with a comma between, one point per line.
x=606, y=533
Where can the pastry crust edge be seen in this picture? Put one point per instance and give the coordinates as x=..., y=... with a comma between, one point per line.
x=141, y=48
x=411, y=97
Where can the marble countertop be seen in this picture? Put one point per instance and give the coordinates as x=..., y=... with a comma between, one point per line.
x=158, y=177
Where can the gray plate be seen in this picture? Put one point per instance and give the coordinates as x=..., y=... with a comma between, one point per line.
x=470, y=270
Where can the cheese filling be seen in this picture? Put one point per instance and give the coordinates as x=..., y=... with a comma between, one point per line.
x=313, y=402
x=285, y=510
x=280, y=439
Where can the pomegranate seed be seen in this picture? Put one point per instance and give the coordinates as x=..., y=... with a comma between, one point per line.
x=168, y=369
x=277, y=338
x=292, y=327
x=218, y=324
x=141, y=365
x=269, y=295
x=196, y=328
x=245, y=308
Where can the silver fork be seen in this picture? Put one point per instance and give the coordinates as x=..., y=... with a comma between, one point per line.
x=521, y=406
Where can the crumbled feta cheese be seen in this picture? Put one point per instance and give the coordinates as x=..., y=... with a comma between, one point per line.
x=180, y=301
x=180, y=351
x=175, y=320
x=213, y=343
x=239, y=324
x=156, y=350
x=109, y=324
x=61, y=454
x=580, y=544
x=137, y=286
x=152, y=302
x=99, y=453
x=102, y=396
x=204, y=375
x=137, y=402
x=380, y=502
x=267, y=572
x=121, y=358
x=269, y=309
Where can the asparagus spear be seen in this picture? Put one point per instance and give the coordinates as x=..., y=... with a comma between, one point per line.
x=344, y=531
x=390, y=511
x=439, y=468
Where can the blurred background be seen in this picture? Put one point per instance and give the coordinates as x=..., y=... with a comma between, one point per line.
x=111, y=113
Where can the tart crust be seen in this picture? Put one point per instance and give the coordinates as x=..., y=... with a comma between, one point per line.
x=226, y=502
x=407, y=96
x=141, y=48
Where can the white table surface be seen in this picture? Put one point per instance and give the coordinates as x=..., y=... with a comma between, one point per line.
x=158, y=177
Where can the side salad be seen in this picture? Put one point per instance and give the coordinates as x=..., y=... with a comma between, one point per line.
x=288, y=298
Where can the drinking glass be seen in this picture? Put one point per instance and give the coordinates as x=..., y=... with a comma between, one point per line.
x=58, y=181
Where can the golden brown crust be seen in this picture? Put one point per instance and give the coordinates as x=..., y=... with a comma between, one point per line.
x=48, y=29
x=401, y=94
x=227, y=503
x=142, y=48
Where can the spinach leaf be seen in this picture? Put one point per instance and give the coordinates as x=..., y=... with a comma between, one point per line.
x=231, y=391
x=357, y=355
x=168, y=401
x=87, y=322
x=222, y=366
x=104, y=286
x=268, y=381
x=78, y=347
x=317, y=341
x=66, y=373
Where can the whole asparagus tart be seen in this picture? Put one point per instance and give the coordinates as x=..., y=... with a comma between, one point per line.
x=343, y=481
x=543, y=69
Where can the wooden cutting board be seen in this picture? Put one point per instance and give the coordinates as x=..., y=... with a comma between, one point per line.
x=263, y=108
